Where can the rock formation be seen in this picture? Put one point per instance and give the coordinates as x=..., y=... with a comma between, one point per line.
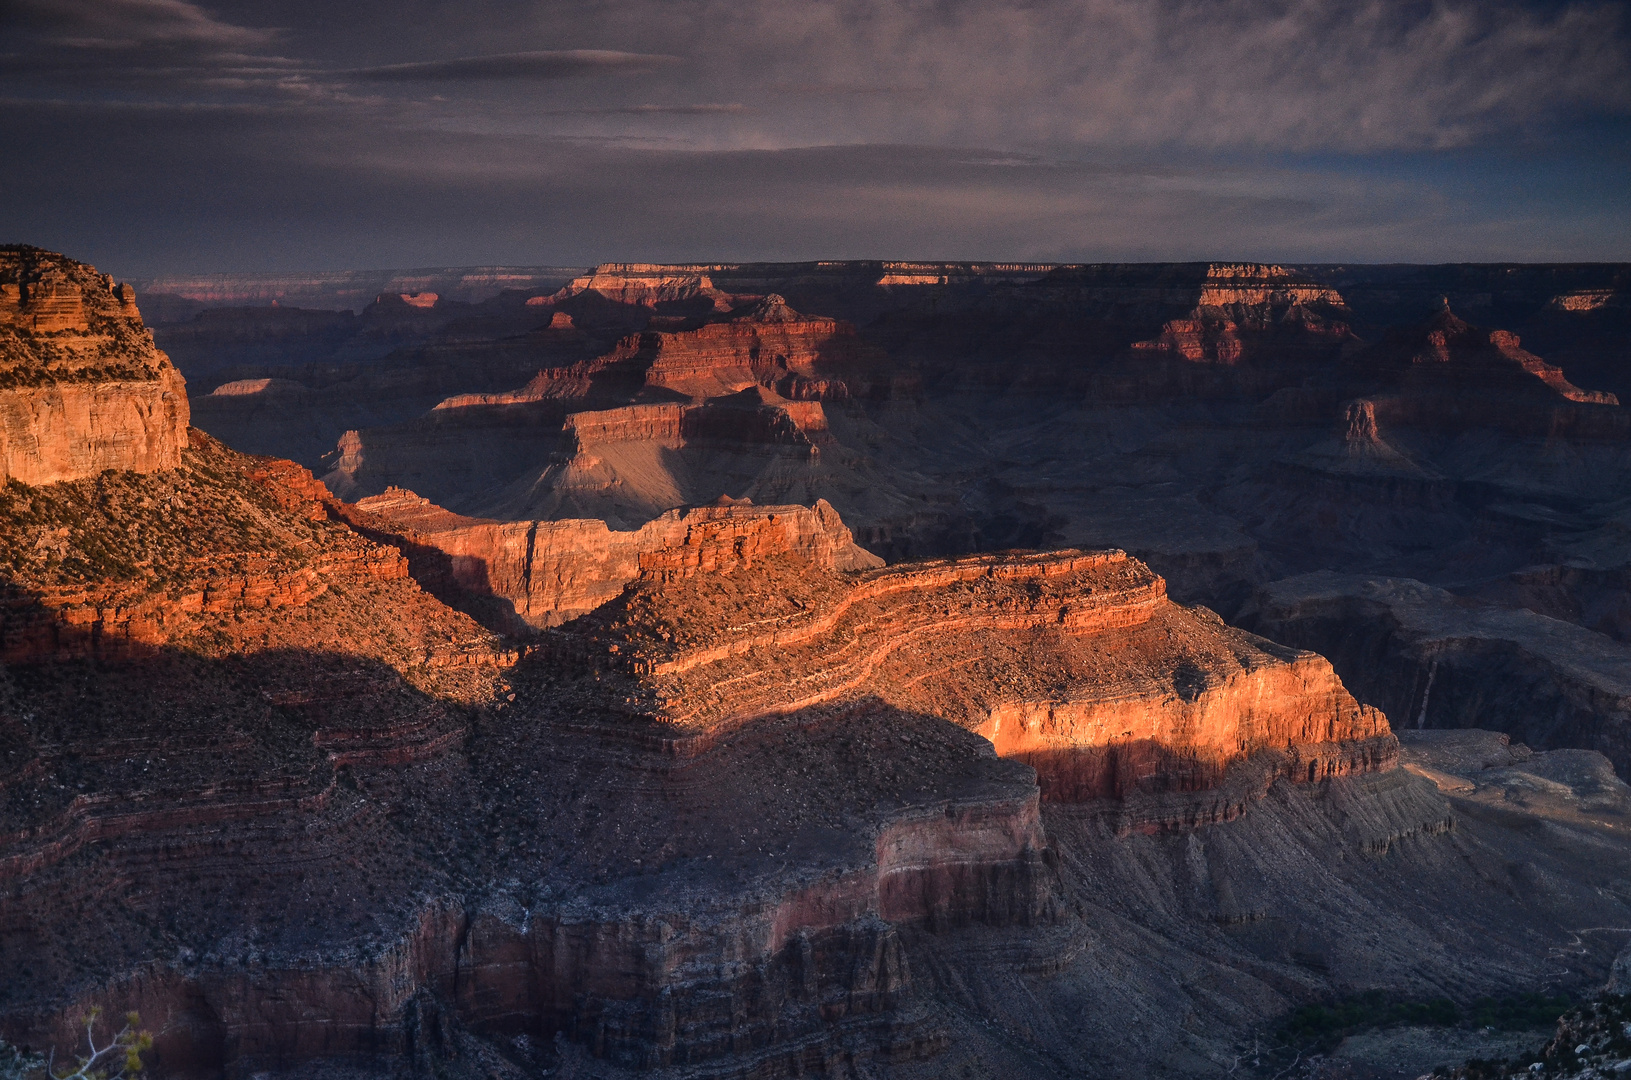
x=551, y=571
x=646, y=285
x=82, y=387
x=734, y=800
x=1226, y=299
x=1451, y=374
x=767, y=345
x=1360, y=448
x=354, y=289
x=734, y=820
x=732, y=407
x=118, y=566
x=1084, y=406
x=1075, y=663
x=1435, y=660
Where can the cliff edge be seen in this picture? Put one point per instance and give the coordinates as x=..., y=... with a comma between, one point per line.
x=82, y=386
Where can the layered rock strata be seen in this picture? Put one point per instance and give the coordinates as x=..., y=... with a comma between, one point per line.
x=734, y=407
x=552, y=571
x=1432, y=659
x=1075, y=663
x=329, y=837
x=82, y=386
x=1449, y=375
x=1227, y=298
x=766, y=344
x=325, y=759
x=117, y=567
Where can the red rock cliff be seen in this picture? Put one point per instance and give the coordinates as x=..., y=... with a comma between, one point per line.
x=82, y=387
x=1076, y=663
x=552, y=571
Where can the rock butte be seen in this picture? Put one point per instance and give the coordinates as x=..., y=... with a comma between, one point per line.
x=1076, y=663
x=82, y=387
x=552, y=571
x=768, y=345
x=743, y=395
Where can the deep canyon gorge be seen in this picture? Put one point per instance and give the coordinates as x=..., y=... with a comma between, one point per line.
x=845, y=669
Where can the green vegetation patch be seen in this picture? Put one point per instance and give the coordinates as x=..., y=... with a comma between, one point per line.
x=1592, y=1040
x=1519, y=1012
x=1319, y=1028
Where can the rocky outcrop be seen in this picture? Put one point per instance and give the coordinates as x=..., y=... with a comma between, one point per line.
x=548, y=572
x=1245, y=292
x=737, y=819
x=646, y=285
x=767, y=345
x=1360, y=450
x=82, y=387
x=274, y=742
x=1227, y=298
x=1135, y=333
x=1449, y=375
x=1445, y=344
x=861, y=288
x=1202, y=308
x=1115, y=690
x=353, y=289
x=117, y=567
x=1431, y=659
x=732, y=408
x=1109, y=744
x=751, y=416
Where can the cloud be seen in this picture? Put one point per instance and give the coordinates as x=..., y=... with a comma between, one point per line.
x=107, y=24
x=1072, y=129
x=1297, y=76
x=545, y=64
x=1300, y=75
x=712, y=109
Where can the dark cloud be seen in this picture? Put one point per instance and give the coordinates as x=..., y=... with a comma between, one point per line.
x=295, y=132
x=544, y=64
x=105, y=24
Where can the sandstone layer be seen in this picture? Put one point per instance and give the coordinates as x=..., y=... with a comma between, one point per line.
x=551, y=571
x=82, y=387
x=1075, y=663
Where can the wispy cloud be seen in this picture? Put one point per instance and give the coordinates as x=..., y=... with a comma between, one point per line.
x=543, y=64
x=709, y=109
x=1279, y=74
x=1305, y=76
x=123, y=24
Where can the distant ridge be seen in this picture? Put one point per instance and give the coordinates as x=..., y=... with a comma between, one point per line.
x=355, y=289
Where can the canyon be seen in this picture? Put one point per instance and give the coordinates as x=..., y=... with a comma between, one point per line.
x=840, y=669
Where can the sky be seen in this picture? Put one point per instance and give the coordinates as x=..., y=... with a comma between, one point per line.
x=159, y=137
